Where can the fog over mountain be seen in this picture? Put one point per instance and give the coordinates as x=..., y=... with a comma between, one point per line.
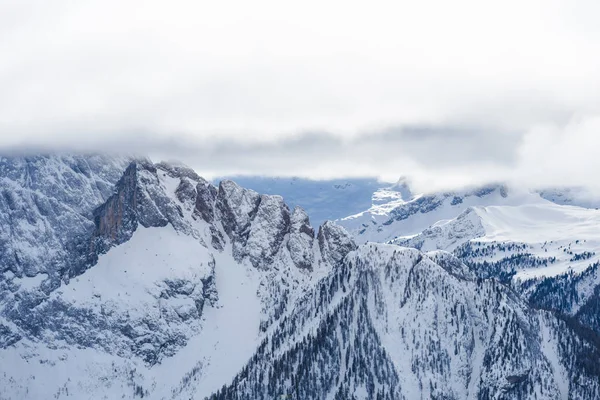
x=450, y=94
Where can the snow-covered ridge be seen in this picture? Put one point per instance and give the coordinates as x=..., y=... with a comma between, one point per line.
x=545, y=243
x=394, y=323
x=550, y=253
x=567, y=237
x=385, y=221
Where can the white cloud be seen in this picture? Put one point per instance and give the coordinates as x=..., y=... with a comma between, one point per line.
x=568, y=155
x=449, y=92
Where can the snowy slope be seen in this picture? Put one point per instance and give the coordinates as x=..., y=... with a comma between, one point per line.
x=392, y=323
x=387, y=220
x=567, y=237
x=549, y=253
x=237, y=310
x=132, y=287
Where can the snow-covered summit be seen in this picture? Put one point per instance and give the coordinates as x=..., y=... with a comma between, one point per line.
x=401, y=216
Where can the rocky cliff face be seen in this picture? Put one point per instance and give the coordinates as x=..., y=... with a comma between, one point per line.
x=300, y=243
x=46, y=207
x=139, y=199
x=334, y=242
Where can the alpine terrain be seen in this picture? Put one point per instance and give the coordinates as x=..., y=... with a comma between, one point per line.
x=123, y=278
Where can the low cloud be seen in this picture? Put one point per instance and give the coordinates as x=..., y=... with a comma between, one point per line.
x=432, y=157
x=449, y=98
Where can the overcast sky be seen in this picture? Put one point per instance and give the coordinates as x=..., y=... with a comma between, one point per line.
x=446, y=92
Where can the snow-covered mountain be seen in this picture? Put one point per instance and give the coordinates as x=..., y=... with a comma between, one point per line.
x=167, y=258
x=121, y=278
x=393, y=216
x=395, y=323
x=395, y=211
x=562, y=238
x=548, y=252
